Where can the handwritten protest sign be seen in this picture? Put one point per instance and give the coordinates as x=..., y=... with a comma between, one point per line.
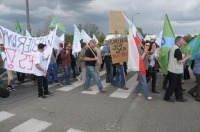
x=20, y=49
x=119, y=49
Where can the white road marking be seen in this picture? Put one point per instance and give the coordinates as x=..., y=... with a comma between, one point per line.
x=5, y=115
x=131, y=84
x=74, y=130
x=32, y=125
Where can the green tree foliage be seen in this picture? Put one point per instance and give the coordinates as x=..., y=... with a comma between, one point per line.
x=101, y=37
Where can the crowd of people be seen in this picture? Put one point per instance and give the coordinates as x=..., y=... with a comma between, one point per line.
x=86, y=65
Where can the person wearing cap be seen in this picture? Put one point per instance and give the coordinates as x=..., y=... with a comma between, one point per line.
x=9, y=72
x=40, y=71
x=90, y=62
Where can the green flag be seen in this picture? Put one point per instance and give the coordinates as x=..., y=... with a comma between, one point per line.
x=18, y=28
x=192, y=48
x=168, y=38
x=55, y=22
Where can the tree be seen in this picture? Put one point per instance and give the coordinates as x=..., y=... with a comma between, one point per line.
x=90, y=29
x=187, y=38
x=101, y=37
x=69, y=38
x=46, y=25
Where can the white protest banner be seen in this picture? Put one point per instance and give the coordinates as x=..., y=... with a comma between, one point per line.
x=76, y=47
x=20, y=49
x=56, y=42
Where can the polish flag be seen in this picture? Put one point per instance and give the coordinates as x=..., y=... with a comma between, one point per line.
x=135, y=62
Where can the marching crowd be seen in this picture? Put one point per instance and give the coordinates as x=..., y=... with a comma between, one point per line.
x=90, y=60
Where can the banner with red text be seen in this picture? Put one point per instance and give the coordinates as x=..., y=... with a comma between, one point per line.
x=119, y=49
x=20, y=49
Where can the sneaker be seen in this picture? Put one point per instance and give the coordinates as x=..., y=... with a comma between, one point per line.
x=124, y=88
x=48, y=94
x=139, y=94
x=50, y=82
x=56, y=81
x=149, y=98
x=181, y=100
x=9, y=88
x=78, y=79
x=103, y=91
x=13, y=88
x=42, y=97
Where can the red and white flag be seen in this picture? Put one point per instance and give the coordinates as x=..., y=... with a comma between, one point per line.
x=135, y=62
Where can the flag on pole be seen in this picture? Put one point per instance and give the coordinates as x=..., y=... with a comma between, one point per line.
x=28, y=34
x=95, y=38
x=192, y=47
x=135, y=62
x=85, y=36
x=134, y=31
x=159, y=39
x=168, y=38
x=55, y=22
x=76, y=47
x=18, y=28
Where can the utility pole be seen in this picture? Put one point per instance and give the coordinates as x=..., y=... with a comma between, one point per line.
x=27, y=17
x=134, y=14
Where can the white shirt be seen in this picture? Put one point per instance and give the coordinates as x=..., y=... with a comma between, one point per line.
x=153, y=58
x=40, y=59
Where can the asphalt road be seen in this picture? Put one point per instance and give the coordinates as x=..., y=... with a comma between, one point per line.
x=72, y=110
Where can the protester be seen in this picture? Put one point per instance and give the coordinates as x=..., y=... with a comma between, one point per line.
x=9, y=72
x=73, y=61
x=81, y=57
x=108, y=62
x=58, y=55
x=66, y=63
x=90, y=62
x=196, y=71
x=142, y=82
x=120, y=77
x=175, y=69
x=40, y=71
x=98, y=65
x=152, y=65
x=52, y=67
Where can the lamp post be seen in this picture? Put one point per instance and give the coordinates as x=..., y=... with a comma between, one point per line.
x=134, y=14
x=27, y=16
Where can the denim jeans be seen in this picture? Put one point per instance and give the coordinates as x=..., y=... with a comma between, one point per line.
x=66, y=75
x=90, y=73
x=142, y=84
x=109, y=69
x=119, y=76
x=55, y=73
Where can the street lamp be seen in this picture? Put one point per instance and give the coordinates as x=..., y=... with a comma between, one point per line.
x=27, y=17
x=134, y=14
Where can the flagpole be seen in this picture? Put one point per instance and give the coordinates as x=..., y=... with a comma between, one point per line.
x=27, y=16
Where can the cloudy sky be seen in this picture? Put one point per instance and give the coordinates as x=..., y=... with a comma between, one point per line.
x=183, y=14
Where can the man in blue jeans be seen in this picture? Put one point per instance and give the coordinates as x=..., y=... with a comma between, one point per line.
x=120, y=77
x=52, y=66
x=90, y=62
